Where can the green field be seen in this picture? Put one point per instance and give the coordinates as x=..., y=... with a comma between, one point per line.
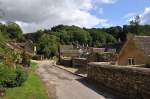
x=33, y=88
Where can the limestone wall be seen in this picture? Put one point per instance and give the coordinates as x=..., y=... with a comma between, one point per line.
x=131, y=81
x=79, y=62
x=65, y=62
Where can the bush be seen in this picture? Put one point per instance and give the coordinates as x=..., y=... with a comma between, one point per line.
x=21, y=76
x=12, y=77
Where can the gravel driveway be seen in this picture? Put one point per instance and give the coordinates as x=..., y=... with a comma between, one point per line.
x=61, y=84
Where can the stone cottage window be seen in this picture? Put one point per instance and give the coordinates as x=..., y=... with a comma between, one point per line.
x=131, y=61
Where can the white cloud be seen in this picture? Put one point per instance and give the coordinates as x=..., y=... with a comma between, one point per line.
x=106, y=1
x=129, y=15
x=145, y=16
x=39, y=14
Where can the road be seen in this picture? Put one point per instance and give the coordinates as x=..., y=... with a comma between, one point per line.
x=61, y=84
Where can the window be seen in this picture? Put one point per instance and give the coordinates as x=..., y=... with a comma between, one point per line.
x=131, y=61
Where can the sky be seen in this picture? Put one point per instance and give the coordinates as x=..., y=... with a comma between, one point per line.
x=33, y=15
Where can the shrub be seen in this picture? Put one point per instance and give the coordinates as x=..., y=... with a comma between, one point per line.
x=21, y=75
x=12, y=77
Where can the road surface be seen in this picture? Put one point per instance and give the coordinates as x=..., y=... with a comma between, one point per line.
x=61, y=84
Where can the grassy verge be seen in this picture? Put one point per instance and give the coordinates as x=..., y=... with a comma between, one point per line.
x=33, y=88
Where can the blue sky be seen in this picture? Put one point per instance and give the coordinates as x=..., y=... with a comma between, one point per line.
x=119, y=12
x=33, y=15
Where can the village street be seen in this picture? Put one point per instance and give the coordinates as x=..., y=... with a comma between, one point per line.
x=61, y=84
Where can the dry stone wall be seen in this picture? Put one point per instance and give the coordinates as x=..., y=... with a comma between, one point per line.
x=133, y=82
x=65, y=62
x=79, y=62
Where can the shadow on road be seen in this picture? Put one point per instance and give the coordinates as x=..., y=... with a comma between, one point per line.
x=106, y=92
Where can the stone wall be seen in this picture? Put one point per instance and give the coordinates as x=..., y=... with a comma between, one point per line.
x=79, y=62
x=101, y=57
x=65, y=62
x=133, y=82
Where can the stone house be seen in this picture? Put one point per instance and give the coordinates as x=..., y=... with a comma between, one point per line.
x=136, y=51
x=107, y=53
x=69, y=51
x=22, y=51
x=27, y=46
x=96, y=50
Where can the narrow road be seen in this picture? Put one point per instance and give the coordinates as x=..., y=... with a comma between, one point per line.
x=61, y=84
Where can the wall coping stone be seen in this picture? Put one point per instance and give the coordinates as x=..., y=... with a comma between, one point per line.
x=141, y=70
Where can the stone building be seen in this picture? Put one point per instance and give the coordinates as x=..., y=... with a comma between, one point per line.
x=136, y=51
x=23, y=52
x=107, y=53
x=69, y=51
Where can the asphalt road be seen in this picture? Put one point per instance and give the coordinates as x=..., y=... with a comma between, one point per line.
x=61, y=84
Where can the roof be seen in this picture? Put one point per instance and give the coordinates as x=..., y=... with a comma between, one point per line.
x=98, y=50
x=70, y=53
x=114, y=48
x=14, y=46
x=66, y=47
x=143, y=42
x=21, y=47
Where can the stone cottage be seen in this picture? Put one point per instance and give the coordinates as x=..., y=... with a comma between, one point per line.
x=23, y=51
x=136, y=51
x=69, y=51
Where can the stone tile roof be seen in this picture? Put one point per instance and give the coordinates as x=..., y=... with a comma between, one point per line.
x=98, y=50
x=143, y=42
x=115, y=48
x=66, y=47
x=20, y=47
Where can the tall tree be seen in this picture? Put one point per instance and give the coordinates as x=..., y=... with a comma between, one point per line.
x=135, y=25
x=14, y=31
x=48, y=45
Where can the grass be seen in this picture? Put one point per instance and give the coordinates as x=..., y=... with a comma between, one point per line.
x=33, y=88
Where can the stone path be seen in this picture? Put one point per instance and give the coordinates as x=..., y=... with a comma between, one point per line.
x=61, y=84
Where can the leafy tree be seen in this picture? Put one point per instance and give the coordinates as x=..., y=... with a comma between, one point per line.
x=114, y=31
x=71, y=34
x=14, y=31
x=63, y=36
x=100, y=37
x=48, y=45
x=134, y=25
x=34, y=36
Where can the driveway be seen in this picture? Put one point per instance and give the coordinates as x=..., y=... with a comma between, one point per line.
x=61, y=84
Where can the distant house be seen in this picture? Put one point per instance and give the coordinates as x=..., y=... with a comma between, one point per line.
x=69, y=51
x=27, y=47
x=96, y=50
x=107, y=53
x=136, y=51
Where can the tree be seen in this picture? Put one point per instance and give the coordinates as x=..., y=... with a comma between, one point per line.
x=100, y=37
x=48, y=45
x=14, y=31
x=71, y=34
x=135, y=23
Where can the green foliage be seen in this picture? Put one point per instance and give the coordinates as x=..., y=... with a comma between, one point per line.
x=83, y=36
x=8, y=76
x=3, y=41
x=71, y=34
x=11, y=77
x=21, y=75
x=47, y=40
x=33, y=88
x=48, y=45
x=12, y=30
x=100, y=37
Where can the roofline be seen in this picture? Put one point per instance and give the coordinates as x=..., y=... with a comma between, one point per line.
x=141, y=36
